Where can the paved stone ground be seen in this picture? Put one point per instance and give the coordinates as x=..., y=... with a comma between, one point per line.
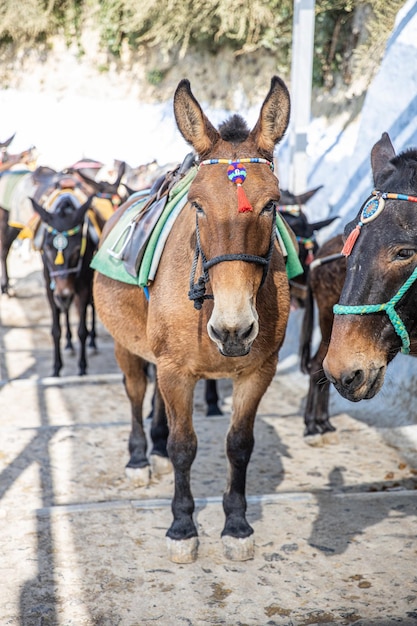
x=335, y=525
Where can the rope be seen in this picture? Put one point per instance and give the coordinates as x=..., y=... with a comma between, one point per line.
x=197, y=291
x=388, y=307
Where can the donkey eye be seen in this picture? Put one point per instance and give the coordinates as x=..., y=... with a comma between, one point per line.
x=198, y=208
x=269, y=207
x=405, y=253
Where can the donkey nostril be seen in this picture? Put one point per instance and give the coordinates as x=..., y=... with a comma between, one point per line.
x=218, y=334
x=247, y=332
x=353, y=379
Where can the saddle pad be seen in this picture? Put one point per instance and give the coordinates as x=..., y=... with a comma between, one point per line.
x=105, y=263
x=10, y=179
x=104, y=207
x=292, y=262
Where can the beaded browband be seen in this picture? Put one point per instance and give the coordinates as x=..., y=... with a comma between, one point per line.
x=371, y=209
x=236, y=172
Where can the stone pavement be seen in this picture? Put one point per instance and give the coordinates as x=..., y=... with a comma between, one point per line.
x=335, y=525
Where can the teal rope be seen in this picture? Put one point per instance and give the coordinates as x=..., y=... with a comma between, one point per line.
x=388, y=307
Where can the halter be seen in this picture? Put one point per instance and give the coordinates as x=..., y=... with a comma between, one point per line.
x=371, y=209
x=60, y=242
x=236, y=172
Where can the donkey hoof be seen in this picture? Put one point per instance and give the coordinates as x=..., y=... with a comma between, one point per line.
x=182, y=550
x=331, y=437
x=141, y=476
x=160, y=465
x=236, y=549
x=315, y=441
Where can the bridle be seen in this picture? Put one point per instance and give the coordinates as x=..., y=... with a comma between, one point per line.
x=372, y=207
x=197, y=289
x=60, y=242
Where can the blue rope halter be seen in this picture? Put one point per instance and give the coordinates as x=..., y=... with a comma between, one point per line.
x=388, y=307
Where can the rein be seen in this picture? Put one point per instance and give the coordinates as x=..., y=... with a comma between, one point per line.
x=372, y=208
x=236, y=172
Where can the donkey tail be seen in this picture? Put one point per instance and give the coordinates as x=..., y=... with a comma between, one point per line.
x=307, y=332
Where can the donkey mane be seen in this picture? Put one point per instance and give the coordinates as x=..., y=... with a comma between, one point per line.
x=234, y=129
x=407, y=159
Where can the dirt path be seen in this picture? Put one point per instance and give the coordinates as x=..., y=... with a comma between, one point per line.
x=335, y=526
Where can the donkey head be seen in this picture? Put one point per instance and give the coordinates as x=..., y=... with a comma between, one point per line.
x=234, y=195
x=64, y=244
x=376, y=315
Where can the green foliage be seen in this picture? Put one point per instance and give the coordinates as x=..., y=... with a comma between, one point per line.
x=155, y=77
x=177, y=27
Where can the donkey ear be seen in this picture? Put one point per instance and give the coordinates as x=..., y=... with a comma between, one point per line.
x=381, y=155
x=120, y=173
x=82, y=210
x=43, y=213
x=194, y=126
x=323, y=223
x=274, y=117
x=303, y=198
x=7, y=143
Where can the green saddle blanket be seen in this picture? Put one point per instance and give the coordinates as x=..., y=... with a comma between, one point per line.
x=108, y=260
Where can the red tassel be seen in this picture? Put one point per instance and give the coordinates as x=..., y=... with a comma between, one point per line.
x=310, y=257
x=243, y=204
x=350, y=241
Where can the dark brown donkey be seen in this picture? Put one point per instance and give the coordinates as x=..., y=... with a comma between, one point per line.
x=376, y=318
x=324, y=285
x=226, y=236
x=67, y=242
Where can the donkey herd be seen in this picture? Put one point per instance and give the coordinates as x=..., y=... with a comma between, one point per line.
x=222, y=237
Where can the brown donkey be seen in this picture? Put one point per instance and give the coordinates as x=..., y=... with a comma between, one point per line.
x=226, y=235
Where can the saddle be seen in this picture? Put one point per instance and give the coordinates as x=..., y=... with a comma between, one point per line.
x=138, y=230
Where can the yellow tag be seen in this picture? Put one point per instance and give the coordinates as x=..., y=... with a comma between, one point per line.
x=59, y=259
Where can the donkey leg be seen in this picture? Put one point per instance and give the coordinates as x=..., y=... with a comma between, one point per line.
x=237, y=534
x=92, y=332
x=82, y=334
x=56, y=336
x=133, y=368
x=212, y=398
x=160, y=461
x=7, y=236
x=3, y=253
x=68, y=336
x=182, y=536
x=316, y=416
